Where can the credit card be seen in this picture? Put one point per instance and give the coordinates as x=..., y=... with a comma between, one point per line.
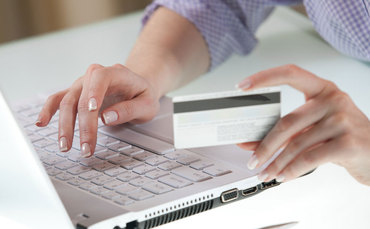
x=222, y=118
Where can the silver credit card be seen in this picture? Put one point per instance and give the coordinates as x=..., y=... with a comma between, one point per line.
x=222, y=118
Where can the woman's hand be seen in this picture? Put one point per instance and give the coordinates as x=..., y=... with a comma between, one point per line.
x=116, y=92
x=327, y=128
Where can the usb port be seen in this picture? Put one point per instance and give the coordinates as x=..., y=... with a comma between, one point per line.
x=266, y=185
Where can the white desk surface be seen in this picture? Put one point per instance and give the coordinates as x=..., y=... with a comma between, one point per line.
x=328, y=198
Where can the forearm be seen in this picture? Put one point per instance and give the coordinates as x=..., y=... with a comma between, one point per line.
x=169, y=52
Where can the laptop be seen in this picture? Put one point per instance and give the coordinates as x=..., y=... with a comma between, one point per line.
x=136, y=179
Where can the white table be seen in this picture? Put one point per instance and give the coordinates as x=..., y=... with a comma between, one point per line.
x=329, y=198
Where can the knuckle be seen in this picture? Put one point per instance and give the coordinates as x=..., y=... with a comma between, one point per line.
x=82, y=105
x=291, y=68
x=93, y=67
x=67, y=101
x=348, y=142
x=308, y=158
x=294, y=145
x=285, y=123
x=118, y=65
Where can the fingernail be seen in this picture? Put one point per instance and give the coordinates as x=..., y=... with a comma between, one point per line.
x=85, y=150
x=63, y=144
x=244, y=84
x=92, y=104
x=252, y=163
x=110, y=116
x=263, y=176
x=280, y=178
x=38, y=123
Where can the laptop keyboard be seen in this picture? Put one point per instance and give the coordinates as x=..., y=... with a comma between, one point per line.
x=118, y=171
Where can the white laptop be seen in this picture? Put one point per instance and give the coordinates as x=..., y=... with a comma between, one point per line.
x=136, y=179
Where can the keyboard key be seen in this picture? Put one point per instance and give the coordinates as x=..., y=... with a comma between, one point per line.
x=130, y=164
x=156, y=160
x=127, y=176
x=216, y=171
x=143, y=156
x=104, y=166
x=203, y=163
x=107, y=141
x=99, y=148
x=64, y=176
x=43, y=142
x=52, y=171
x=127, y=188
x=34, y=137
x=78, y=169
x=100, y=180
x=157, y=188
x=66, y=165
x=46, y=131
x=109, y=195
x=113, y=184
x=90, y=174
x=54, y=137
x=191, y=174
x=119, y=146
x=119, y=159
x=54, y=148
x=188, y=159
x=169, y=165
x=106, y=154
x=174, y=181
x=115, y=171
x=86, y=186
x=98, y=190
x=143, y=169
x=140, y=181
x=90, y=161
x=141, y=195
x=52, y=160
x=75, y=181
x=177, y=154
x=122, y=200
x=130, y=151
x=155, y=174
x=144, y=141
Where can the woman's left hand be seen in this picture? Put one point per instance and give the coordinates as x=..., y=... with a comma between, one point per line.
x=327, y=128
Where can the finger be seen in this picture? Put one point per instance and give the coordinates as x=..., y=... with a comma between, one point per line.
x=67, y=117
x=319, y=133
x=305, y=162
x=252, y=146
x=284, y=129
x=296, y=77
x=134, y=110
x=50, y=107
x=92, y=95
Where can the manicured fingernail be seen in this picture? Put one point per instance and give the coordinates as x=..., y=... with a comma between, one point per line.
x=110, y=116
x=280, y=178
x=38, y=123
x=263, y=176
x=85, y=150
x=63, y=144
x=252, y=163
x=244, y=84
x=92, y=104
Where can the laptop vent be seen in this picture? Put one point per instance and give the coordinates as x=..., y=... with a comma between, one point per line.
x=179, y=214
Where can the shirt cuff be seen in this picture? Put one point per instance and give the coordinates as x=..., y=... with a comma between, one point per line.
x=222, y=30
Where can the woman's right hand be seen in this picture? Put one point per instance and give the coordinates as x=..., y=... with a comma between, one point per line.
x=115, y=92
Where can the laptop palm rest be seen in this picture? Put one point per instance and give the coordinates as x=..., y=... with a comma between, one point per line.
x=85, y=209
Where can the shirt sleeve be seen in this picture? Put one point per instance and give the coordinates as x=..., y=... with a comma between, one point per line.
x=228, y=26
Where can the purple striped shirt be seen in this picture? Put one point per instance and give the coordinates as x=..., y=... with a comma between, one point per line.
x=229, y=26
